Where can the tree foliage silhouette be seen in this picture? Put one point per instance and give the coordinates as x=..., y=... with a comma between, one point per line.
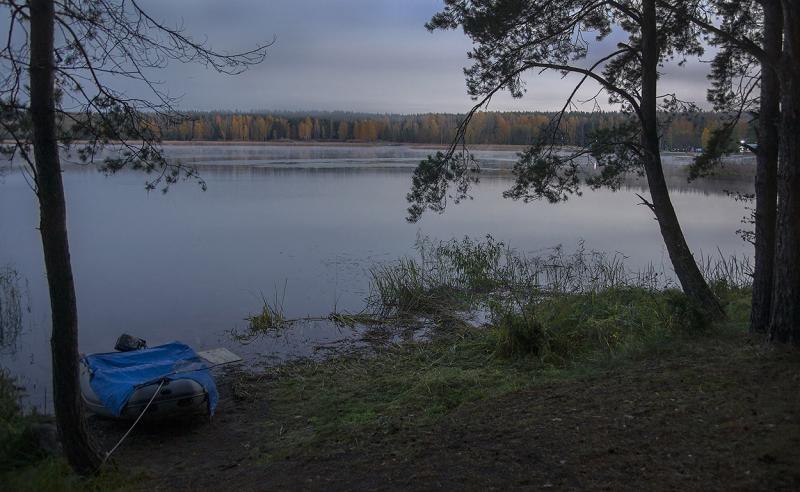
x=60, y=62
x=515, y=37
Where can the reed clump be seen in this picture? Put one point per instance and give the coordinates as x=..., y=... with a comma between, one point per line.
x=556, y=306
x=271, y=320
x=12, y=292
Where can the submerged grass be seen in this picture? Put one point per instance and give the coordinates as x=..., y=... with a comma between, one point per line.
x=272, y=321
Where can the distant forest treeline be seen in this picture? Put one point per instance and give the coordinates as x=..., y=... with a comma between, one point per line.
x=682, y=132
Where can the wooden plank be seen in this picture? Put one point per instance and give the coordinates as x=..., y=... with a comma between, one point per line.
x=219, y=356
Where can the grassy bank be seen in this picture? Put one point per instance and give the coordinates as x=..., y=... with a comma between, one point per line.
x=550, y=318
x=553, y=321
x=347, y=399
x=706, y=411
x=695, y=411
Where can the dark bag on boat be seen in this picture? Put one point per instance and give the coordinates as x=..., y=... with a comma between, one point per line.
x=126, y=343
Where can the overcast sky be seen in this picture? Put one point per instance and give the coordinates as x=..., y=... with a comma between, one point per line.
x=353, y=55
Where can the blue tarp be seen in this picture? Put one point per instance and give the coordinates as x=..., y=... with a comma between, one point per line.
x=116, y=375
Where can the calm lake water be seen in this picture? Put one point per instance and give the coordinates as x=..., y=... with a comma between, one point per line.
x=304, y=223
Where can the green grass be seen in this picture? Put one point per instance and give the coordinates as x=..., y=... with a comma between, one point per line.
x=557, y=306
x=54, y=475
x=565, y=328
x=15, y=447
x=320, y=407
x=25, y=468
x=552, y=317
x=346, y=398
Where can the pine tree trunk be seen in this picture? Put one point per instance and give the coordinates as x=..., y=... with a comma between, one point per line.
x=689, y=276
x=53, y=227
x=785, y=319
x=766, y=172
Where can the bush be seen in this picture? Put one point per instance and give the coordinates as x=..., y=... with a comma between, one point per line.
x=568, y=327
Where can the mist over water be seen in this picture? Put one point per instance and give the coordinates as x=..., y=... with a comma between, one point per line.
x=300, y=223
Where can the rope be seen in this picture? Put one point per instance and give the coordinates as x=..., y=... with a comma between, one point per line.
x=160, y=385
x=108, y=454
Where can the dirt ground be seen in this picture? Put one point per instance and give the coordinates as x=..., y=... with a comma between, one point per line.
x=700, y=420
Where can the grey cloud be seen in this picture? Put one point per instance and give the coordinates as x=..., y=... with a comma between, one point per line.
x=360, y=55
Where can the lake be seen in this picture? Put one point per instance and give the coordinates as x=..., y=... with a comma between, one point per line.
x=303, y=223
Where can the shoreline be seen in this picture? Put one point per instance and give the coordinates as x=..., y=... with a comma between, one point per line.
x=497, y=401
x=739, y=156
x=445, y=411
x=413, y=145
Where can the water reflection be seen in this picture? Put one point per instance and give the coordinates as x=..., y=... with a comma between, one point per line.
x=404, y=156
x=675, y=178
x=190, y=265
x=13, y=296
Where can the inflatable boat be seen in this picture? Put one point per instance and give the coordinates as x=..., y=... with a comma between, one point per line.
x=172, y=379
x=177, y=397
